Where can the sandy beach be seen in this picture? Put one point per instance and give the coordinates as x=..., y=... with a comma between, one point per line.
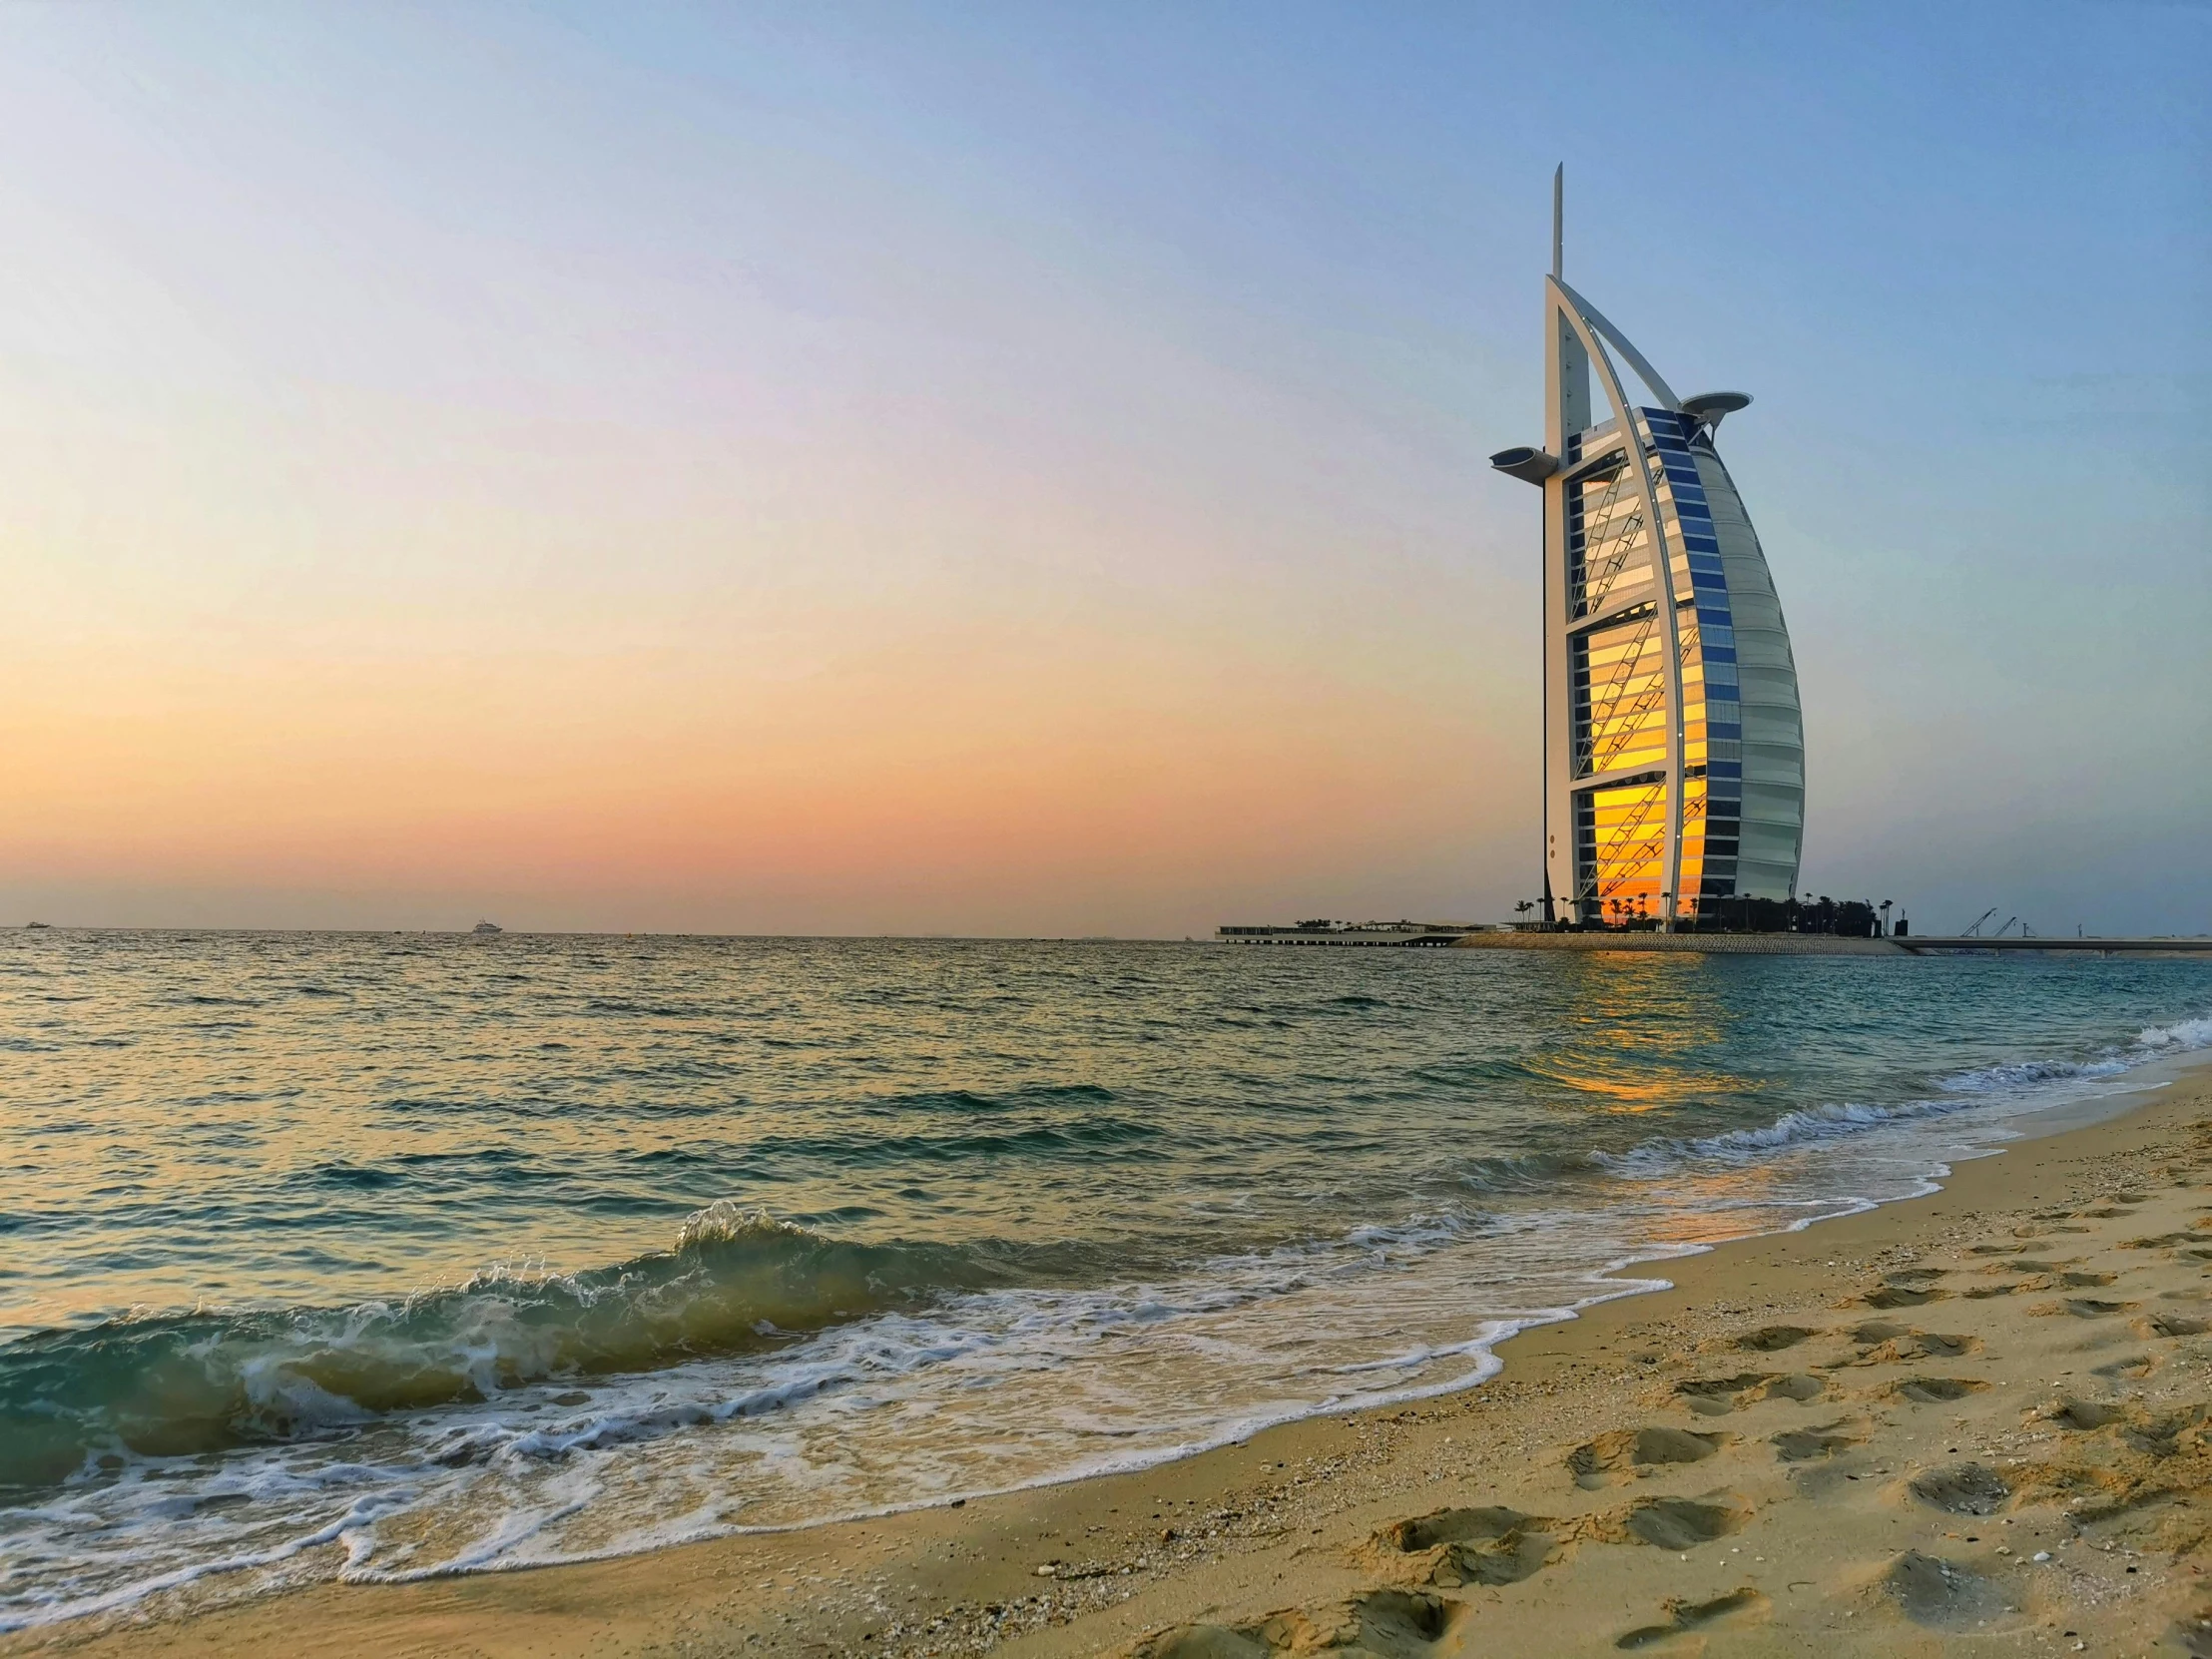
x=1974, y=1422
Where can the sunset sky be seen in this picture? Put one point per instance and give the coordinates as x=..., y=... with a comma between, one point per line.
x=1020, y=469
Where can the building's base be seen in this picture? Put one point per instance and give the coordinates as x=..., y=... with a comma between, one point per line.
x=1828, y=944
x=1711, y=945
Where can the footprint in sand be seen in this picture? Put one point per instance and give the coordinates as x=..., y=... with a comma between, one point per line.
x=1936, y=1390
x=1879, y=1331
x=1740, y=1606
x=1496, y=1545
x=1908, y=1346
x=2084, y=1416
x=2193, y=1635
x=1962, y=1489
x=2167, y=1326
x=1805, y=1446
x=2082, y=1308
x=1718, y=1396
x=1942, y=1596
x=1388, y=1624
x=2048, y=1282
x=1492, y=1545
x=1773, y=1339
x=1681, y=1522
x=1903, y=1295
x=2168, y=1435
x=1630, y=1454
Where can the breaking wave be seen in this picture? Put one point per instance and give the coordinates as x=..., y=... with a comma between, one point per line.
x=734, y=1281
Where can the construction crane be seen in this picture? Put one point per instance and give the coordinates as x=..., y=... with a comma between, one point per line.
x=1975, y=928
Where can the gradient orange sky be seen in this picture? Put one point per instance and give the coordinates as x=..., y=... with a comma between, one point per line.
x=855, y=471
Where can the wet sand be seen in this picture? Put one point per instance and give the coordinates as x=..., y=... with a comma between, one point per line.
x=1979, y=1422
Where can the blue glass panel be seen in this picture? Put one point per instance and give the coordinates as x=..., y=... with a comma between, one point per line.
x=1722, y=731
x=1720, y=653
x=1724, y=768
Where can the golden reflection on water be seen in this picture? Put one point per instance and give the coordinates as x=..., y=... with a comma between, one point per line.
x=1631, y=1020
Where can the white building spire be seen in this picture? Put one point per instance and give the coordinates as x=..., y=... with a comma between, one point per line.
x=1559, y=221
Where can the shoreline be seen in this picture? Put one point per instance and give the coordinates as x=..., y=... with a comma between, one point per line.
x=1289, y=1520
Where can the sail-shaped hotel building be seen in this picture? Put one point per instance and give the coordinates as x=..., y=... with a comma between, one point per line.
x=1674, y=754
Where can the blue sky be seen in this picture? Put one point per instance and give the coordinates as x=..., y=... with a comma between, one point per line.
x=547, y=457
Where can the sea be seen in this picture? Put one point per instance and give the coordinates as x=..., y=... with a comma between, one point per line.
x=378, y=1257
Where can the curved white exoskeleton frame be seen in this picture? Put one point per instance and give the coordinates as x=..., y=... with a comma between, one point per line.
x=1726, y=557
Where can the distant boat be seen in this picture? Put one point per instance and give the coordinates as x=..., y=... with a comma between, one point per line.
x=487, y=927
x=38, y=924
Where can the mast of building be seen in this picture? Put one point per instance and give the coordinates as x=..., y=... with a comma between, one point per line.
x=1559, y=222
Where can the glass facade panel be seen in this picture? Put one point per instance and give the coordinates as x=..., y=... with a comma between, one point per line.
x=1608, y=542
x=1621, y=849
x=1620, y=694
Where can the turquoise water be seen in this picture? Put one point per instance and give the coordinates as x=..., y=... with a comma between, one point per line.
x=389, y=1255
